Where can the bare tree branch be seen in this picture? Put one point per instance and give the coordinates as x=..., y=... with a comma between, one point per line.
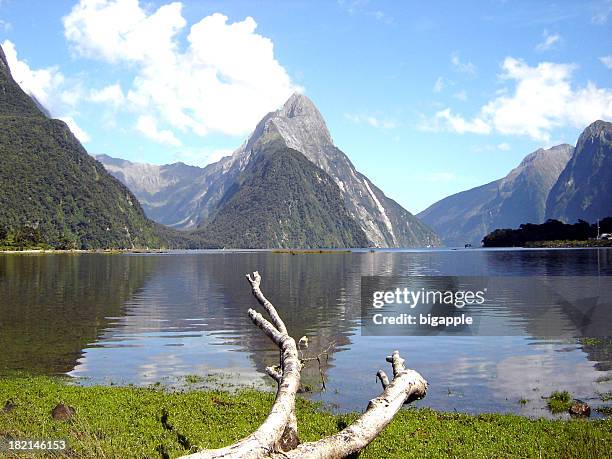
x=274, y=373
x=280, y=427
x=407, y=385
x=255, y=281
x=384, y=379
x=318, y=357
x=277, y=437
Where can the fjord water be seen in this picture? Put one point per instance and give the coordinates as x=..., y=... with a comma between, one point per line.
x=148, y=318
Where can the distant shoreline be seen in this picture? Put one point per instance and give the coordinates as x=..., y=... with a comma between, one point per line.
x=57, y=251
x=277, y=251
x=592, y=243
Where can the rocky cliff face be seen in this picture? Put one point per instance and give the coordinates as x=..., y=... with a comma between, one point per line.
x=166, y=192
x=385, y=223
x=520, y=197
x=584, y=188
x=300, y=127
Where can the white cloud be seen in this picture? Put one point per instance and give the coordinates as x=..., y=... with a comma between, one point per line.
x=147, y=125
x=69, y=98
x=607, y=61
x=43, y=84
x=446, y=120
x=224, y=80
x=48, y=87
x=548, y=41
x=5, y=26
x=439, y=85
x=121, y=30
x=370, y=120
x=76, y=130
x=503, y=147
x=463, y=67
x=543, y=99
x=111, y=94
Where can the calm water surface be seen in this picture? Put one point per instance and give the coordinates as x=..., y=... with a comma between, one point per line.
x=147, y=318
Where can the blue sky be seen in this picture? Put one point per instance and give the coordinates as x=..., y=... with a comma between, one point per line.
x=426, y=100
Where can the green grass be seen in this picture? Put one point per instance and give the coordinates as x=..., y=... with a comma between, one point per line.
x=194, y=379
x=605, y=410
x=130, y=422
x=592, y=341
x=605, y=396
x=558, y=402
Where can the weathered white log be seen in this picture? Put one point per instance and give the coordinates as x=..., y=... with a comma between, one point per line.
x=407, y=385
x=279, y=430
x=274, y=373
x=277, y=437
x=255, y=282
x=384, y=379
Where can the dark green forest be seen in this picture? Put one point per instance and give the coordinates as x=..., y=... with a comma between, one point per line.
x=551, y=230
x=283, y=200
x=54, y=194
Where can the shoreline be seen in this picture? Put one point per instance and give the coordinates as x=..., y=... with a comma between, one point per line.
x=560, y=244
x=535, y=246
x=126, y=421
x=77, y=251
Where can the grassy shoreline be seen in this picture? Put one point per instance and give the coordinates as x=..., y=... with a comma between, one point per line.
x=126, y=422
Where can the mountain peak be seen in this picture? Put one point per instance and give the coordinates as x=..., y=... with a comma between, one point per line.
x=4, y=67
x=13, y=100
x=583, y=189
x=301, y=126
x=299, y=105
x=596, y=129
x=563, y=151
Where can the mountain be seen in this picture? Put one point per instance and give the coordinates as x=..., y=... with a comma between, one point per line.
x=385, y=223
x=518, y=198
x=196, y=201
x=283, y=200
x=52, y=189
x=584, y=188
x=168, y=193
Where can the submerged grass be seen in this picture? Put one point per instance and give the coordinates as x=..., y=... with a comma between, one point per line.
x=309, y=251
x=559, y=402
x=130, y=422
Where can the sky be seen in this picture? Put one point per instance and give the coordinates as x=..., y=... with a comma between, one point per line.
x=426, y=98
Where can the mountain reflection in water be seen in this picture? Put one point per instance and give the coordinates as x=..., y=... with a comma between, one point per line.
x=144, y=318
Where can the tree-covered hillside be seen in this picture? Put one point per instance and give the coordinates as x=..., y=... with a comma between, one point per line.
x=551, y=230
x=52, y=191
x=283, y=200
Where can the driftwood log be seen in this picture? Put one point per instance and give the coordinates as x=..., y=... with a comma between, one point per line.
x=278, y=437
